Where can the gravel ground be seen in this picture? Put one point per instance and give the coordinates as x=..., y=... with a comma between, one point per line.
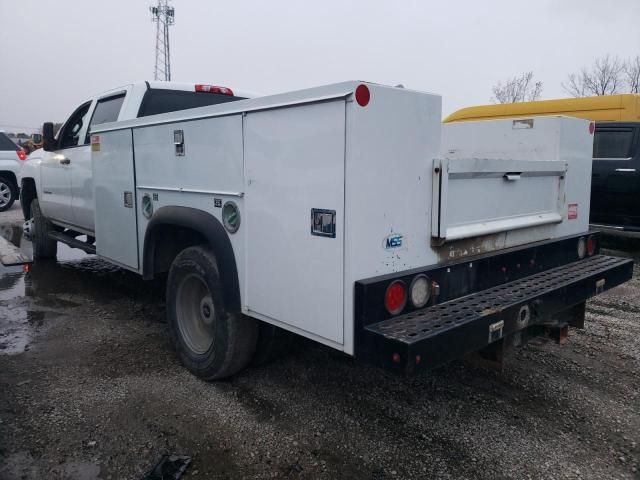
x=90, y=389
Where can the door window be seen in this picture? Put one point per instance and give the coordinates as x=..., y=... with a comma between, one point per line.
x=613, y=144
x=70, y=132
x=107, y=110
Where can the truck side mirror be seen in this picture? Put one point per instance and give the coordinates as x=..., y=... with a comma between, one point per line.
x=49, y=142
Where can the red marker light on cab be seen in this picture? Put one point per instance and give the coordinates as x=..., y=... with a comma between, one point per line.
x=214, y=89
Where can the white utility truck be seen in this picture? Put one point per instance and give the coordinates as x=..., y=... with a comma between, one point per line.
x=346, y=213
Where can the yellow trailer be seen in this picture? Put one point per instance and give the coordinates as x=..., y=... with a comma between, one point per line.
x=608, y=108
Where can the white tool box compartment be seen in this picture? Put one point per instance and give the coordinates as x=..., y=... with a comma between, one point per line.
x=294, y=166
x=115, y=197
x=474, y=197
x=511, y=175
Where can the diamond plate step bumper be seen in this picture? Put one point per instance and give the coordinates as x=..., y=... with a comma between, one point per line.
x=440, y=333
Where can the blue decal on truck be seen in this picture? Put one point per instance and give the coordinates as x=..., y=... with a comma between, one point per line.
x=393, y=241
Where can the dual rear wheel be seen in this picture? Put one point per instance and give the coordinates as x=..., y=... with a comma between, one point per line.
x=212, y=342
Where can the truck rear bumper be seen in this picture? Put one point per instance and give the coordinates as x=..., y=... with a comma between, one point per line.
x=431, y=336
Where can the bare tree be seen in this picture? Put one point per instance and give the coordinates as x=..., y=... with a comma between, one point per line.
x=520, y=88
x=603, y=78
x=632, y=74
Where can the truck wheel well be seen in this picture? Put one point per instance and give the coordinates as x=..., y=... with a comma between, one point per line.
x=172, y=229
x=28, y=194
x=170, y=241
x=9, y=176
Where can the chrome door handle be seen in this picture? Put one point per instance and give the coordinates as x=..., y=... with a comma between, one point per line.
x=628, y=170
x=65, y=161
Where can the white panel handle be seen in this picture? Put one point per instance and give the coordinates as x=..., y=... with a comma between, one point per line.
x=511, y=177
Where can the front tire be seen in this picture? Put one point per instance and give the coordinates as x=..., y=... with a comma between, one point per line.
x=43, y=246
x=8, y=193
x=211, y=342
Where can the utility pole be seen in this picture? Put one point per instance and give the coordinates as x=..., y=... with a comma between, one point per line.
x=164, y=16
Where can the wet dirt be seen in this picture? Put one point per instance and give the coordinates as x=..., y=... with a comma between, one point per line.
x=90, y=389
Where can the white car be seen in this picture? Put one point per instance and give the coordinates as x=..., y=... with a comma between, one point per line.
x=10, y=157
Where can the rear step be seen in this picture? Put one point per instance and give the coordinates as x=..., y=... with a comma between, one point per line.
x=72, y=242
x=438, y=334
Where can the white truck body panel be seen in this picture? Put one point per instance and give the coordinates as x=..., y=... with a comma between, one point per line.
x=115, y=179
x=531, y=194
x=286, y=181
x=555, y=144
x=279, y=157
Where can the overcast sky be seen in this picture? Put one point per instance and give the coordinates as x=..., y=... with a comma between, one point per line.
x=56, y=54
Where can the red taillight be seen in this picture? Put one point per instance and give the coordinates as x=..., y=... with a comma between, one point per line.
x=592, y=128
x=22, y=155
x=363, y=95
x=591, y=245
x=395, y=297
x=214, y=89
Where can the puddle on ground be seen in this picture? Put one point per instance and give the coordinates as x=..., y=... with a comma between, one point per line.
x=23, y=465
x=30, y=295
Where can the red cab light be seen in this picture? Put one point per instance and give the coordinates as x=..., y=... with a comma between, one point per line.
x=363, y=95
x=395, y=297
x=214, y=89
x=591, y=245
x=22, y=155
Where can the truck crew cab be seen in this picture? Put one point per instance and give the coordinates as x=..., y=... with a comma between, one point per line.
x=615, y=181
x=345, y=213
x=60, y=176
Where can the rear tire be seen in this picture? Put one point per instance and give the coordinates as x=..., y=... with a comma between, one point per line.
x=43, y=246
x=211, y=342
x=8, y=193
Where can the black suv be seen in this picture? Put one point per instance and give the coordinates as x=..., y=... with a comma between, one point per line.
x=615, y=183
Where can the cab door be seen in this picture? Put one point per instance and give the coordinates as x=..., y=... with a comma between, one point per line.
x=107, y=109
x=57, y=165
x=615, y=183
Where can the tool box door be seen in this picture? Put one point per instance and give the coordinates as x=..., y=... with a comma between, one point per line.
x=115, y=197
x=473, y=197
x=294, y=173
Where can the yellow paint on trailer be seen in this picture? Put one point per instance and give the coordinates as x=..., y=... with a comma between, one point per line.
x=606, y=108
